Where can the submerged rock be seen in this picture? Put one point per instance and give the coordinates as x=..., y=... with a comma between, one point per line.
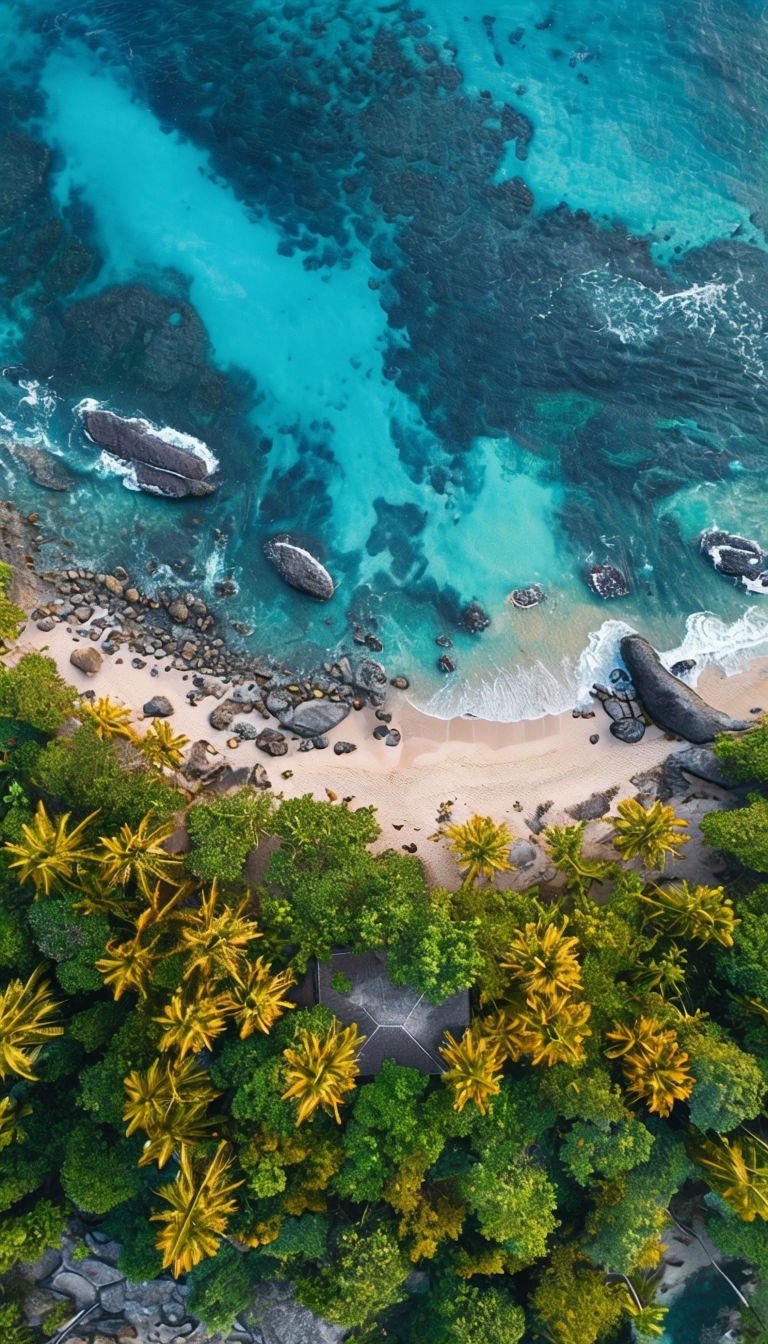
x=160, y=467
x=474, y=618
x=607, y=581
x=44, y=468
x=299, y=569
x=671, y=704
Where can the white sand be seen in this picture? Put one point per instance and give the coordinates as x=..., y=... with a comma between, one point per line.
x=480, y=767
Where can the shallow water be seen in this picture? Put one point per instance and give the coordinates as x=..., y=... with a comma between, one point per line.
x=463, y=304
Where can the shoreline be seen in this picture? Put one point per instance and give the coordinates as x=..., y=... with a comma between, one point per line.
x=506, y=771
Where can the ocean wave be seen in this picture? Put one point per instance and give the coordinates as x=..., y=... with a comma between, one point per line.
x=38, y=395
x=517, y=693
x=107, y=465
x=635, y=313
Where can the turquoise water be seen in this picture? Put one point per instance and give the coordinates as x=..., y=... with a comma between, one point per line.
x=465, y=302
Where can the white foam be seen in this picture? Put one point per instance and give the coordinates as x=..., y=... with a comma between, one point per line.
x=517, y=693
x=38, y=395
x=107, y=465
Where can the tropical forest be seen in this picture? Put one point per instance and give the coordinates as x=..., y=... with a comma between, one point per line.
x=170, y=1079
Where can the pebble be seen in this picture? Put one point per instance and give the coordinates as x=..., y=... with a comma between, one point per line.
x=594, y=738
x=393, y=738
x=381, y=731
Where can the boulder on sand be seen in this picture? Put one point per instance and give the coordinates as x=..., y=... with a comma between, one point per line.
x=87, y=660
x=298, y=568
x=671, y=704
x=159, y=707
x=314, y=718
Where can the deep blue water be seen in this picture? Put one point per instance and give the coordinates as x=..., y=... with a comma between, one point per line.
x=464, y=301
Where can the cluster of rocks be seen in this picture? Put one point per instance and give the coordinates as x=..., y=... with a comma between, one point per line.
x=527, y=597
x=107, y=1308
x=622, y=706
x=738, y=557
x=160, y=467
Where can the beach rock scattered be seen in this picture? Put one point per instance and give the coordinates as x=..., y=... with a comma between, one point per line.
x=399, y=683
x=344, y=748
x=596, y=805
x=222, y=715
x=527, y=597
x=622, y=707
x=671, y=704
x=159, y=707
x=685, y=665
x=443, y=641
x=204, y=763
x=628, y=730
x=371, y=677
x=474, y=618
x=87, y=660
x=446, y=664
x=701, y=762
x=607, y=581
x=272, y=742
x=299, y=569
x=161, y=467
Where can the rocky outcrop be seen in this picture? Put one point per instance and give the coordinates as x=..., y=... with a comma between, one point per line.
x=474, y=618
x=44, y=468
x=607, y=581
x=671, y=704
x=299, y=569
x=731, y=554
x=160, y=467
x=622, y=707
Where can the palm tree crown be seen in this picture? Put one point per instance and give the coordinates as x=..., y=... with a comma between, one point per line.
x=24, y=1025
x=542, y=960
x=482, y=847
x=474, y=1068
x=138, y=855
x=110, y=720
x=161, y=746
x=737, y=1169
x=648, y=833
x=321, y=1070
x=255, y=997
x=49, y=854
x=201, y=1202
x=653, y=1064
x=704, y=914
x=213, y=937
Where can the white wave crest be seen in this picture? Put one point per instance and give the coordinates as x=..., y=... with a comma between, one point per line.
x=513, y=694
x=107, y=465
x=38, y=395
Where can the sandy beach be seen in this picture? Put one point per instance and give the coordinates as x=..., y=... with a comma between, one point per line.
x=505, y=771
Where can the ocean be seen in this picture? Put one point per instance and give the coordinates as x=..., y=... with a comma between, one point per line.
x=462, y=299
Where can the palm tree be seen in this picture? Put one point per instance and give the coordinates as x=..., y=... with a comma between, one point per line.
x=652, y=1062
x=212, y=939
x=11, y=1113
x=551, y=1028
x=321, y=1070
x=737, y=1169
x=168, y=1101
x=648, y=833
x=110, y=720
x=474, y=1068
x=542, y=960
x=161, y=746
x=49, y=854
x=703, y=914
x=665, y=976
x=482, y=847
x=191, y=1025
x=565, y=845
x=255, y=998
x=201, y=1202
x=129, y=965
x=24, y=1028
x=138, y=855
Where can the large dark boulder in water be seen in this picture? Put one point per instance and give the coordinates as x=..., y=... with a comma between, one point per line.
x=299, y=569
x=671, y=704
x=161, y=467
x=732, y=555
x=607, y=581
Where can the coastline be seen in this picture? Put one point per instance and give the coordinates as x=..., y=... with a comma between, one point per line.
x=506, y=771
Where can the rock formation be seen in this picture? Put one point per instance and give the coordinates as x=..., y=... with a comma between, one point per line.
x=671, y=704
x=299, y=569
x=738, y=557
x=161, y=468
x=607, y=581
